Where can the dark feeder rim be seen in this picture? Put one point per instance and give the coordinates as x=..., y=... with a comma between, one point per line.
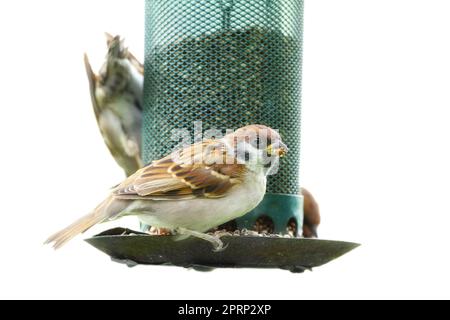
x=294, y=254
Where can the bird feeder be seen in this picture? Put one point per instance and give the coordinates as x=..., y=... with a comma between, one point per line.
x=217, y=65
x=227, y=64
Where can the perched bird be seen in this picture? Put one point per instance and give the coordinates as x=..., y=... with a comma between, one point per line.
x=312, y=217
x=117, y=94
x=195, y=189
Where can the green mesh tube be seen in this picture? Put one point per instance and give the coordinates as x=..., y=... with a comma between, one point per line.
x=227, y=64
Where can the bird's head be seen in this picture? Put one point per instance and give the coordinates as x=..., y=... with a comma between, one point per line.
x=259, y=147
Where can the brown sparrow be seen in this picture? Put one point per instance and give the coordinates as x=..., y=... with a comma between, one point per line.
x=116, y=95
x=194, y=189
x=312, y=217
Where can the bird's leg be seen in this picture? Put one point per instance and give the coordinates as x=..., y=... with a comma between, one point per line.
x=154, y=231
x=223, y=233
x=214, y=240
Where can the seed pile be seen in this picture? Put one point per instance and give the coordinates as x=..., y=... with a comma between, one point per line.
x=248, y=233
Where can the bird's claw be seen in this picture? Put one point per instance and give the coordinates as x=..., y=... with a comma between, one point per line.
x=219, y=247
x=214, y=240
x=220, y=235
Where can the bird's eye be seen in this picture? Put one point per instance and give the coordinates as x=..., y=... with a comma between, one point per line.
x=255, y=141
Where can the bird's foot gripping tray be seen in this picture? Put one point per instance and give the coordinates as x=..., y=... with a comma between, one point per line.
x=243, y=251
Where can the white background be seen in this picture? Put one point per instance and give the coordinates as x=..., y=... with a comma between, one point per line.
x=375, y=153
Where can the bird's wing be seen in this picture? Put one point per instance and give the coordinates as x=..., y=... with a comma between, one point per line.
x=92, y=77
x=135, y=62
x=124, y=149
x=200, y=171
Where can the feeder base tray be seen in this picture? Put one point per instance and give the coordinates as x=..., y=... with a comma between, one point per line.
x=296, y=255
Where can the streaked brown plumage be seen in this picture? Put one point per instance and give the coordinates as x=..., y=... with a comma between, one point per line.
x=185, y=179
x=193, y=194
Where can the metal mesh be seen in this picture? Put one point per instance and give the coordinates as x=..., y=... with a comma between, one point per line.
x=227, y=64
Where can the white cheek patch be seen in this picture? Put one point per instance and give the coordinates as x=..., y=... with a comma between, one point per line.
x=247, y=154
x=273, y=166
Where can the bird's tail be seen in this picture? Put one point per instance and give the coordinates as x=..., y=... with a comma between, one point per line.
x=100, y=214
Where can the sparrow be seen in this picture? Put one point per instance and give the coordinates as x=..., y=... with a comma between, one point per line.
x=312, y=217
x=117, y=98
x=193, y=189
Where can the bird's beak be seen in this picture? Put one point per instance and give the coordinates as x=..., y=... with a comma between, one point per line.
x=281, y=150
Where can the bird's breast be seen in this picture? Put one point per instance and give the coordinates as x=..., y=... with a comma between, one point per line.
x=204, y=214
